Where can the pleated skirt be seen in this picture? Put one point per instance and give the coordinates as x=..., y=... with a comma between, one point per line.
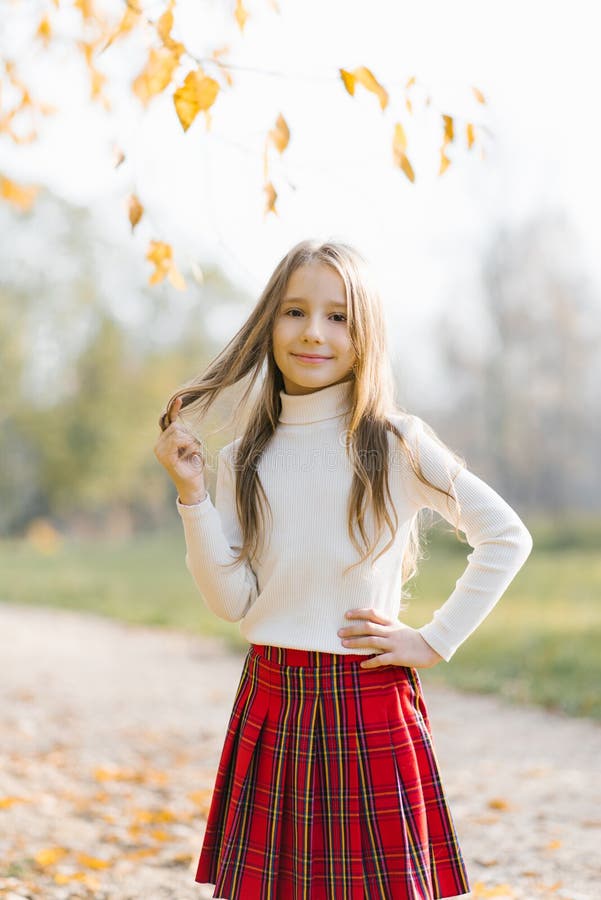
x=328, y=787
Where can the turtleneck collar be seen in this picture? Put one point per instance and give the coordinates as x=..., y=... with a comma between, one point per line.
x=325, y=403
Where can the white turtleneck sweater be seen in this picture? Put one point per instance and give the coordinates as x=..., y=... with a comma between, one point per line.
x=296, y=593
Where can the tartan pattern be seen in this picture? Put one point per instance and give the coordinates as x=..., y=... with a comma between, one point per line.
x=328, y=786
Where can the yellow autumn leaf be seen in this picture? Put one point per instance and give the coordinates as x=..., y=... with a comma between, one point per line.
x=86, y=7
x=553, y=845
x=157, y=73
x=7, y=802
x=129, y=19
x=348, y=79
x=400, y=138
x=102, y=774
x=141, y=853
x=86, y=878
x=161, y=255
x=498, y=803
x=97, y=80
x=160, y=835
x=50, y=856
x=280, y=134
x=470, y=134
x=20, y=196
x=407, y=168
x=365, y=77
x=93, y=862
x=44, y=31
x=400, y=158
x=445, y=162
x=67, y=878
x=478, y=94
x=154, y=816
x=165, y=23
x=448, y=129
x=196, y=94
x=271, y=198
x=480, y=890
x=118, y=156
x=134, y=210
x=240, y=14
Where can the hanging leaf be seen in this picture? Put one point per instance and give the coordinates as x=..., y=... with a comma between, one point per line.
x=157, y=74
x=161, y=255
x=271, y=198
x=365, y=77
x=445, y=162
x=196, y=94
x=86, y=8
x=479, y=95
x=399, y=145
x=165, y=23
x=44, y=31
x=134, y=210
x=129, y=20
x=240, y=14
x=470, y=135
x=448, y=129
x=280, y=134
x=118, y=156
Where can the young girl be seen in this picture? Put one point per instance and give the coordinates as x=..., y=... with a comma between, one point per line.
x=328, y=786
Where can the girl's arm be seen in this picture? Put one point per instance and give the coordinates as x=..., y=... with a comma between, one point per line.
x=501, y=541
x=212, y=534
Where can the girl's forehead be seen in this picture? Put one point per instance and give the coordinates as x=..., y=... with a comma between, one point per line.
x=315, y=279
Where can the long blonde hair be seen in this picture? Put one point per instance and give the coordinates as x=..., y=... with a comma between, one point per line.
x=250, y=352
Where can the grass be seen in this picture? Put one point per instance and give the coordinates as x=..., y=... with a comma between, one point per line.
x=540, y=644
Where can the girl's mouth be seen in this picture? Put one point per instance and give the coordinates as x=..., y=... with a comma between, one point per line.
x=311, y=359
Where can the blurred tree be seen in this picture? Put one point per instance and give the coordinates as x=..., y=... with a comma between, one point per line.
x=527, y=397
x=81, y=388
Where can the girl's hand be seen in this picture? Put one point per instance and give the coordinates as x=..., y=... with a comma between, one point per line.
x=180, y=452
x=395, y=643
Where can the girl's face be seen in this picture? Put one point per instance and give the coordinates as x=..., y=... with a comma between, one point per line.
x=312, y=320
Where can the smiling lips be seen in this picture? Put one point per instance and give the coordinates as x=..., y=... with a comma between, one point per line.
x=310, y=357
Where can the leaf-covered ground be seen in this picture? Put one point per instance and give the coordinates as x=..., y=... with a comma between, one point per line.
x=110, y=735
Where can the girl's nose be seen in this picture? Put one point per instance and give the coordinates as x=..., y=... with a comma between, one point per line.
x=313, y=329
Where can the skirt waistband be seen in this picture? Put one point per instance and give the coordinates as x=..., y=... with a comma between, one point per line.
x=315, y=659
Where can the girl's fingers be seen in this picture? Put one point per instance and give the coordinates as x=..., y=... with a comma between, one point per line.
x=371, y=614
x=169, y=417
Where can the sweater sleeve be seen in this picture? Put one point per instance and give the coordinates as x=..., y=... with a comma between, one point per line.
x=501, y=542
x=212, y=533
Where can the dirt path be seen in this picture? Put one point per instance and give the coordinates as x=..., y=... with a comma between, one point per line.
x=110, y=736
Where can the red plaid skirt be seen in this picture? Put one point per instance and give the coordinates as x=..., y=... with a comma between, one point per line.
x=328, y=786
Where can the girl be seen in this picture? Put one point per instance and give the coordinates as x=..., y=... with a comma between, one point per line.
x=328, y=786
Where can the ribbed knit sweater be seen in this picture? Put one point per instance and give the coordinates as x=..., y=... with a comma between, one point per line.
x=296, y=593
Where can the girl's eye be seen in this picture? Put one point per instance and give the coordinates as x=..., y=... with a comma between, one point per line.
x=341, y=319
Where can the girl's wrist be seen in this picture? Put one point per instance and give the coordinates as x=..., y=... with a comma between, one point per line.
x=193, y=498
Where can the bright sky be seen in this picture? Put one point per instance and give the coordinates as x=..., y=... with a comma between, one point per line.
x=536, y=62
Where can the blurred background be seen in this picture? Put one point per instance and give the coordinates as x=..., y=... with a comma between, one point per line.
x=156, y=161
